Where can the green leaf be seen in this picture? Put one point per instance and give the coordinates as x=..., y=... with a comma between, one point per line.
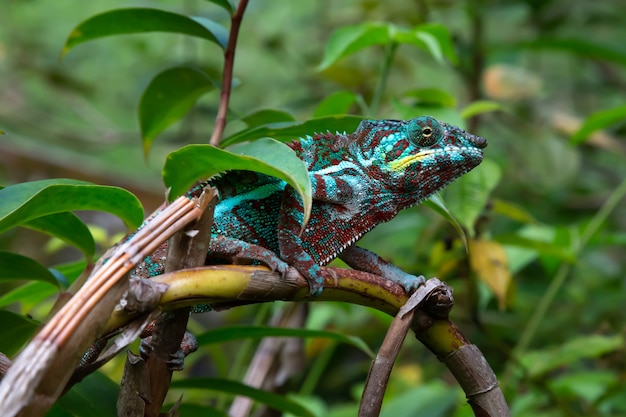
x=15, y=331
x=141, y=20
x=597, y=121
x=293, y=130
x=478, y=107
x=224, y=4
x=432, y=97
x=33, y=293
x=196, y=410
x=336, y=103
x=540, y=247
x=468, y=195
x=168, y=97
x=274, y=401
x=350, y=39
x=263, y=117
x=436, y=203
x=190, y=163
x=539, y=362
x=68, y=227
x=434, y=38
x=18, y=267
x=22, y=203
x=230, y=333
x=583, y=48
x=95, y=396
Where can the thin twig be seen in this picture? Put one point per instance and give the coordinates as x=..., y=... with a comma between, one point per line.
x=227, y=76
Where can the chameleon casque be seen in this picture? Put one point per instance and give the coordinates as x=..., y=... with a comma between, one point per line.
x=359, y=180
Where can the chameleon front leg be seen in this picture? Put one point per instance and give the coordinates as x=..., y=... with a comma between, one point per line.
x=290, y=242
x=364, y=260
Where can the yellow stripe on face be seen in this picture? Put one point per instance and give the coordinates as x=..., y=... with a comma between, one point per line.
x=402, y=163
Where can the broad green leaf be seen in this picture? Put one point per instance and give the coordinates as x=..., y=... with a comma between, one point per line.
x=193, y=162
x=478, y=107
x=582, y=48
x=263, y=117
x=168, y=97
x=432, y=97
x=336, y=103
x=15, y=331
x=225, y=4
x=141, y=20
x=434, y=38
x=33, y=293
x=572, y=351
x=95, y=396
x=68, y=227
x=468, y=195
x=350, y=39
x=597, y=121
x=293, y=130
x=14, y=267
x=2, y=132
x=230, y=333
x=22, y=203
x=275, y=401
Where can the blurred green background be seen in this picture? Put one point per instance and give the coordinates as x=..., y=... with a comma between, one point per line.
x=547, y=68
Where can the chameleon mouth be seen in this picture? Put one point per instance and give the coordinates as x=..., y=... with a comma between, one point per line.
x=402, y=163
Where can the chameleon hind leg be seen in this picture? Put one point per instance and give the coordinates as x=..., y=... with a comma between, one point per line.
x=230, y=248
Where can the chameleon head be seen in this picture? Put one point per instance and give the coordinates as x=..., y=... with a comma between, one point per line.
x=422, y=155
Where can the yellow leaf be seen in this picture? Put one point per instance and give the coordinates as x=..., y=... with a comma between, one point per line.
x=489, y=262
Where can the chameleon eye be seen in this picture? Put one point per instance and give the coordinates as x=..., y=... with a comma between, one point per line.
x=424, y=131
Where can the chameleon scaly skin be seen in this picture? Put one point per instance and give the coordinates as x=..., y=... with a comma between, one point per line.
x=359, y=180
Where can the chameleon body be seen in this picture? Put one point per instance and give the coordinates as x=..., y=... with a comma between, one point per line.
x=359, y=180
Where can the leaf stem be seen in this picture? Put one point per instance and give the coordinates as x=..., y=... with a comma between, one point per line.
x=227, y=76
x=390, y=52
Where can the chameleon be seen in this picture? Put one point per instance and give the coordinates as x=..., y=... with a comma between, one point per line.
x=358, y=180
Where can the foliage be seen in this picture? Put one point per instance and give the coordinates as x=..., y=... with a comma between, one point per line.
x=541, y=290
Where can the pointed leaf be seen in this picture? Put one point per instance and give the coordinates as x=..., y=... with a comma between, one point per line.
x=275, y=401
x=293, y=130
x=268, y=156
x=33, y=293
x=15, y=331
x=350, y=39
x=68, y=227
x=597, y=121
x=168, y=97
x=17, y=267
x=478, y=107
x=225, y=4
x=141, y=20
x=432, y=97
x=95, y=396
x=435, y=203
x=337, y=103
x=432, y=37
x=27, y=201
x=230, y=333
